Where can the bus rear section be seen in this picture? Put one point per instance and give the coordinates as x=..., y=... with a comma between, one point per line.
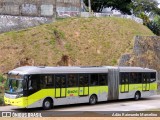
x=137, y=83
x=131, y=82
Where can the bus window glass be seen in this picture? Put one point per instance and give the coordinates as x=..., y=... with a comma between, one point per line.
x=152, y=77
x=133, y=78
x=72, y=80
x=146, y=78
x=103, y=79
x=32, y=84
x=83, y=80
x=48, y=81
x=94, y=80
x=139, y=77
x=57, y=81
x=63, y=81
x=124, y=78
x=60, y=81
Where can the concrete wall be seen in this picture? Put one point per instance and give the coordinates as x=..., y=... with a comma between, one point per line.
x=68, y=8
x=39, y=8
x=21, y=14
x=136, y=19
x=8, y=23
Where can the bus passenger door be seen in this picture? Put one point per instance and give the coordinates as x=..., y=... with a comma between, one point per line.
x=60, y=86
x=83, y=85
x=124, y=78
x=146, y=82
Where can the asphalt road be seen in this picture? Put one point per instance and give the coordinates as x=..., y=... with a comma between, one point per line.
x=119, y=105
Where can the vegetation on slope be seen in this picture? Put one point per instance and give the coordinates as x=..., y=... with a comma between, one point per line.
x=85, y=41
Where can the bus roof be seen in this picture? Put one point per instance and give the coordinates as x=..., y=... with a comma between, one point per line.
x=74, y=69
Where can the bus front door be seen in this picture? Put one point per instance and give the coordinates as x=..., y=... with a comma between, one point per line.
x=60, y=86
x=83, y=85
x=145, y=82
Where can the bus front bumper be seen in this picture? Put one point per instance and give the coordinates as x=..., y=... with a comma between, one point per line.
x=19, y=102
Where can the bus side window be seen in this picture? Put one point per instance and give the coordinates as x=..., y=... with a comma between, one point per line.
x=152, y=77
x=42, y=82
x=32, y=85
x=57, y=81
x=63, y=81
x=122, y=78
x=103, y=79
x=81, y=84
x=139, y=78
x=48, y=81
x=86, y=80
x=146, y=78
x=83, y=80
x=60, y=81
x=133, y=78
x=94, y=80
x=72, y=80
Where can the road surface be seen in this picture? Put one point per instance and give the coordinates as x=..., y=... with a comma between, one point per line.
x=119, y=105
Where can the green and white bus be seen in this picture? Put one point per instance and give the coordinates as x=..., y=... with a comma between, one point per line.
x=33, y=86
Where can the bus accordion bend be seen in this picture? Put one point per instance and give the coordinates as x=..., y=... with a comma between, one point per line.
x=33, y=86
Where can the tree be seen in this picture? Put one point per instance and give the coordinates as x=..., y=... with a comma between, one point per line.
x=148, y=7
x=123, y=6
x=154, y=25
x=144, y=17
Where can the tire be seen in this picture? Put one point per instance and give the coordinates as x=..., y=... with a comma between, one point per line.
x=137, y=96
x=93, y=100
x=47, y=104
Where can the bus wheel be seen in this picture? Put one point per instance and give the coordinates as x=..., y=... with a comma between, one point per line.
x=93, y=99
x=137, y=96
x=47, y=104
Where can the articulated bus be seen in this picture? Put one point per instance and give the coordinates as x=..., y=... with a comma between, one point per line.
x=33, y=86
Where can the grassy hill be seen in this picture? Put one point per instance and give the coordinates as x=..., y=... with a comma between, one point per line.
x=85, y=41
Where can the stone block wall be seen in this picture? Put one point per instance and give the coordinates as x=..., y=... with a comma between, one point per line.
x=146, y=53
x=40, y=8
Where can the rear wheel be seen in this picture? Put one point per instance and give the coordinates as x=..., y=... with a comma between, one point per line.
x=47, y=104
x=93, y=99
x=137, y=96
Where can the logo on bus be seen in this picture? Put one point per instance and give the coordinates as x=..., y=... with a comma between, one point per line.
x=72, y=91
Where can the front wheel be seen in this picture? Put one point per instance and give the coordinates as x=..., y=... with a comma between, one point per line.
x=93, y=99
x=47, y=104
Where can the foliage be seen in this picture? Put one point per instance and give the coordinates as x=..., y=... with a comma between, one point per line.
x=123, y=5
x=144, y=17
x=1, y=100
x=2, y=82
x=146, y=10
x=1, y=79
x=154, y=25
x=148, y=7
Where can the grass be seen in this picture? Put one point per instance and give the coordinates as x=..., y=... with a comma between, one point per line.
x=87, y=41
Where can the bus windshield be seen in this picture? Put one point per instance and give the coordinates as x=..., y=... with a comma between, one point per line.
x=15, y=85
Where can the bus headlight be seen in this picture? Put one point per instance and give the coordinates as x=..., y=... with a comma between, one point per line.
x=20, y=95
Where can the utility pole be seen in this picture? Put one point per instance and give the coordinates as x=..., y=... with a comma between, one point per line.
x=89, y=6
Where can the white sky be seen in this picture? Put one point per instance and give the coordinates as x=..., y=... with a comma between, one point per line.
x=159, y=2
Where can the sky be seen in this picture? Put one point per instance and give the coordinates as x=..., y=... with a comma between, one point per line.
x=159, y=3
